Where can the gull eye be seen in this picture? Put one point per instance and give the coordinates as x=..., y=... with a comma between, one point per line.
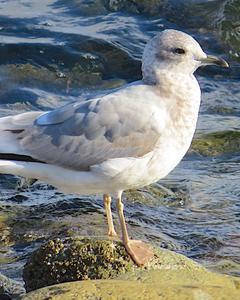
x=179, y=51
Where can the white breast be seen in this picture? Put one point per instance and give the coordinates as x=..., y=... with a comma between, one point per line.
x=173, y=143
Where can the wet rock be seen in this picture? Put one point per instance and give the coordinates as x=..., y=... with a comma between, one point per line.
x=225, y=266
x=75, y=259
x=78, y=76
x=63, y=260
x=5, y=296
x=83, y=258
x=4, y=229
x=83, y=7
x=222, y=110
x=150, y=7
x=217, y=143
x=116, y=62
x=168, y=276
x=228, y=24
x=156, y=194
x=30, y=75
x=10, y=288
x=191, y=13
x=86, y=62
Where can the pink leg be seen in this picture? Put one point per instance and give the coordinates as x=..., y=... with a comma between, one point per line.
x=139, y=251
x=107, y=203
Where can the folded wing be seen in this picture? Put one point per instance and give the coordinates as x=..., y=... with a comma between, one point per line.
x=81, y=135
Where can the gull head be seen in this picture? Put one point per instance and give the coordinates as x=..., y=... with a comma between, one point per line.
x=174, y=52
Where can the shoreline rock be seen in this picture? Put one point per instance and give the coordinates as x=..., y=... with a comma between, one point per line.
x=217, y=143
x=169, y=275
x=132, y=290
x=10, y=288
x=63, y=260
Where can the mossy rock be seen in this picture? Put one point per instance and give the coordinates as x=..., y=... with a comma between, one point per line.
x=225, y=266
x=133, y=290
x=83, y=258
x=168, y=276
x=87, y=72
x=84, y=7
x=228, y=26
x=10, y=287
x=191, y=13
x=217, y=143
x=75, y=259
x=148, y=7
x=222, y=110
x=6, y=213
x=155, y=195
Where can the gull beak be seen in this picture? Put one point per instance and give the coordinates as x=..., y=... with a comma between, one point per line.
x=213, y=60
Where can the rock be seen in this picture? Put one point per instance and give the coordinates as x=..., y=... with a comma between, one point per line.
x=217, y=143
x=168, y=276
x=10, y=288
x=131, y=290
x=149, y=7
x=5, y=230
x=192, y=14
x=156, y=194
x=228, y=24
x=225, y=266
x=5, y=296
x=222, y=110
x=75, y=259
x=86, y=62
x=30, y=75
x=83, y=258
x=83, y=7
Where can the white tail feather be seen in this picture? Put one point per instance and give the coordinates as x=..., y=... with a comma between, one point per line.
x=69, y=181
x=8, y=140
x=9, y=143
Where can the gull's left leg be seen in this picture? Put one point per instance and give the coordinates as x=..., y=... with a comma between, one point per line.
x=107, y=203
x=139, y=251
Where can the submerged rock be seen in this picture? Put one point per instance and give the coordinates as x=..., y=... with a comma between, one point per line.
x=156, y=194
x=10, y=288
x=168, y=276
x=149, y=7
x=191, y=13
x=217, y=143
x=85, y=63
x=228, y=24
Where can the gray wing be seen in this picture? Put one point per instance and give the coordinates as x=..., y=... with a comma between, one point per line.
x=81, y=135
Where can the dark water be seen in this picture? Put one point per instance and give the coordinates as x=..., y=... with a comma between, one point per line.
x=53, y=52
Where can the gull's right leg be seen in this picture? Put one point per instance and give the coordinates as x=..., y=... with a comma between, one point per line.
x=107, y=203
x=139, y=251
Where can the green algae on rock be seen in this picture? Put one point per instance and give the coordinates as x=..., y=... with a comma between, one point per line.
x=75, y=259
x=155, y=194
x=149, y=7
x=217, y=143
x=191, y=13
x=94, y=63
x=83, y=258
x=11, y=287
x=225, y=266
x=168, y=276
x=228, y=24
x=133, y=290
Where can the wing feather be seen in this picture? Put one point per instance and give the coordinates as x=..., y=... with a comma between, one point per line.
x=81, y=135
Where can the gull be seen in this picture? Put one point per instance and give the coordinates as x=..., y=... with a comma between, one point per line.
x=126, y=139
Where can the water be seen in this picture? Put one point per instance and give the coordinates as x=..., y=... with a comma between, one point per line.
x=53, y=52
